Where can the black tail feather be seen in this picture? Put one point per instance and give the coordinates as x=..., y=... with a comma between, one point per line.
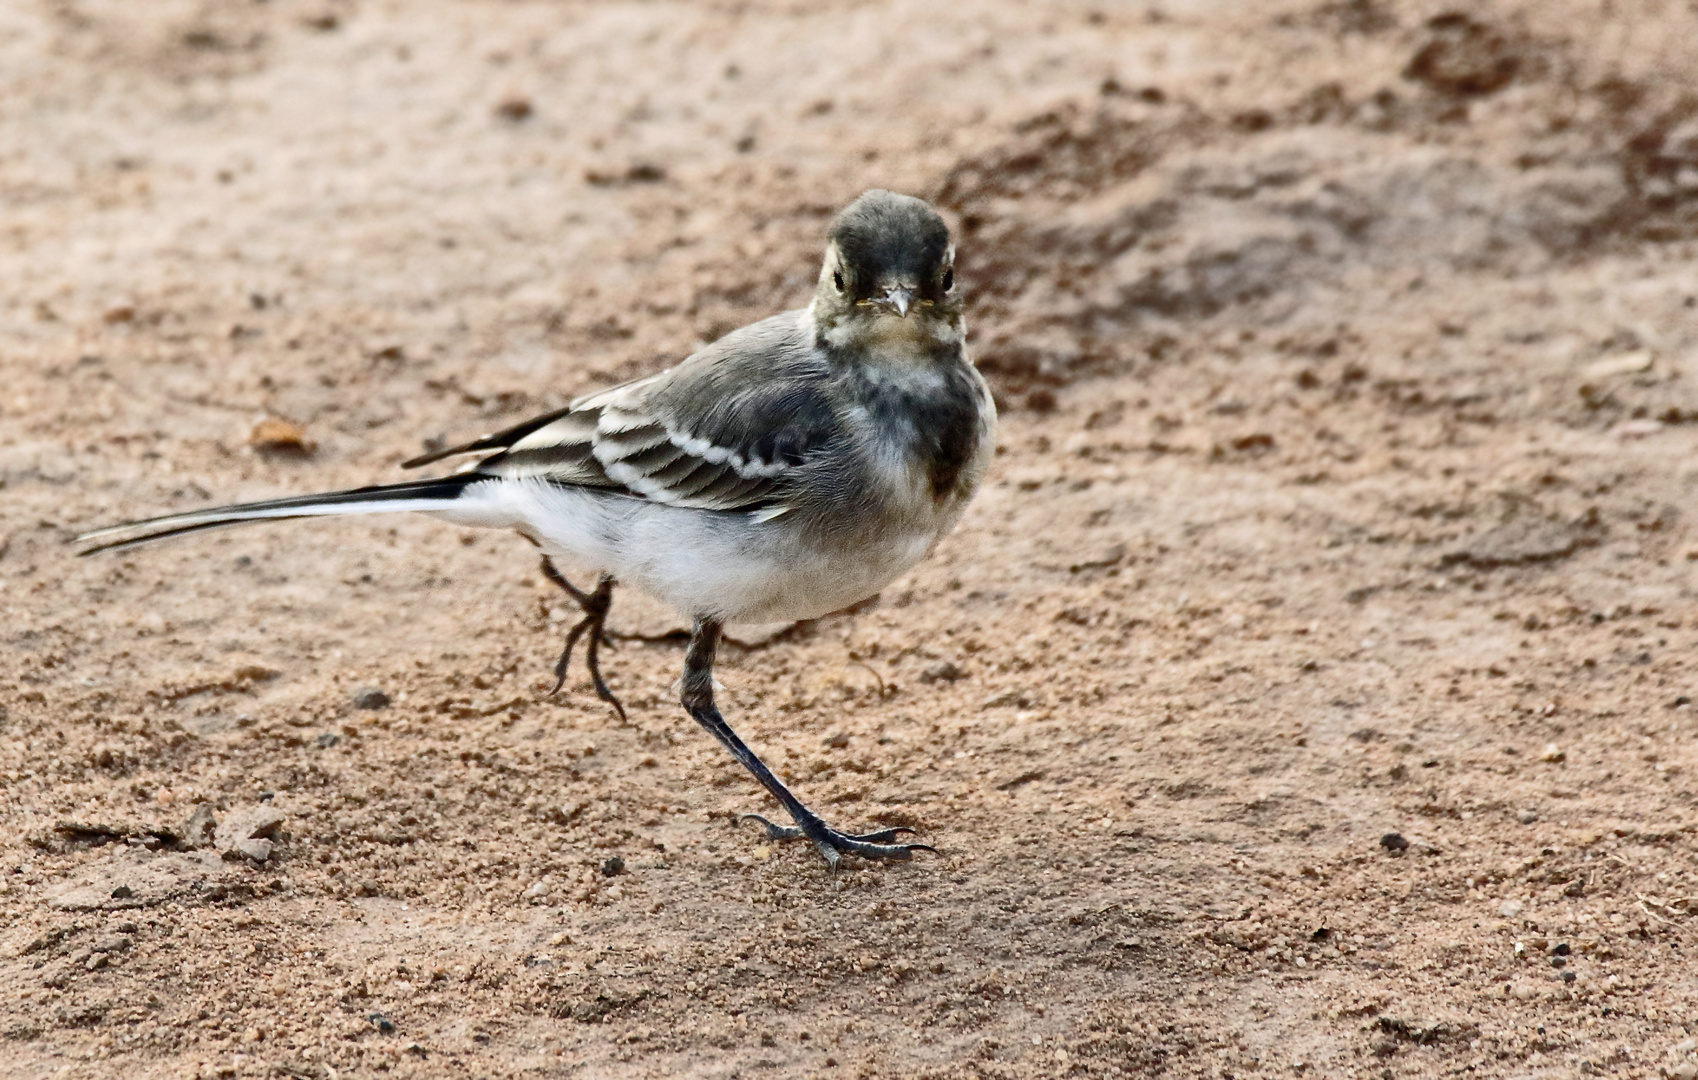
x=129, y=534
x=501, y=440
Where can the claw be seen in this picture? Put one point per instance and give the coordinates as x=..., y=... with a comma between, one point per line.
x=774, y=831
x=572, y=636
x=592, y=652
x=885, y=836
x=595, y=606
x=833, y=845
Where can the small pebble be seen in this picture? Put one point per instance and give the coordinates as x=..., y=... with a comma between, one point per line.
x=1528, y=817
x=1636, y=429
x=947, y=671
x=1622, y=364
x=370, y=697
x=1394, y=842
x=1552, y=753
x=1512, y=909
x=327, y=740
x=382, y=1023
x=279, y=438
x=515, y=108
x=613, y=867
x=202, y=826
x=537, y=891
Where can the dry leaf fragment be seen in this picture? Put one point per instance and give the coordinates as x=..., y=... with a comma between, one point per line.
x=279, y=437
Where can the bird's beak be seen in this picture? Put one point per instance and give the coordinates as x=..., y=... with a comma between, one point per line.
x=901, y=298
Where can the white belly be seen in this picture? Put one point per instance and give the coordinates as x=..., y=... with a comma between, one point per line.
x=723, y=566
x=757, y=573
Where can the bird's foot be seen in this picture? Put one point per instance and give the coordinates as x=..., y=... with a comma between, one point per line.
x=833, y=845
x=595, y=605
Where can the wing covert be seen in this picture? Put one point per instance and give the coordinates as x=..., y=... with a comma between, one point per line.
x=725, y=430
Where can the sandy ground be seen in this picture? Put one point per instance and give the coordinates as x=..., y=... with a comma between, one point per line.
x=1307, y=693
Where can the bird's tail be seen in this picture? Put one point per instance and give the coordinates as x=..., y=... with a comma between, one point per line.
x=411, y=495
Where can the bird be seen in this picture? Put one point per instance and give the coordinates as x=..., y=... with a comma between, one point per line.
x=792, y=468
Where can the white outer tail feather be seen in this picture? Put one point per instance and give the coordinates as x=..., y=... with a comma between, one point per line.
x=408, y=497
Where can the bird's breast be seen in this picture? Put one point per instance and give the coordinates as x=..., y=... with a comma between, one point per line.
x=928, y=433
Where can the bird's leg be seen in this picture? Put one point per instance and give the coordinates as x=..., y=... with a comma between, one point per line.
x=595, y=606
x=833, y=845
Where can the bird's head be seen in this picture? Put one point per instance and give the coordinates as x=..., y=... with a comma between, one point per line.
x=889, y=272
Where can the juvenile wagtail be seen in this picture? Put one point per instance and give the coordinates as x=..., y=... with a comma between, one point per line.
x=792, y=468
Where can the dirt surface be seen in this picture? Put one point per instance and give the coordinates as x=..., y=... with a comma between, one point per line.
x=1307, y=693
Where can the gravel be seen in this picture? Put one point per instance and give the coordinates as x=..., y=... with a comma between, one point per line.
x=371, y=698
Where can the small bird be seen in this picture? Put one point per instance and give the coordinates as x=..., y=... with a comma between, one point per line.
x=790, y=469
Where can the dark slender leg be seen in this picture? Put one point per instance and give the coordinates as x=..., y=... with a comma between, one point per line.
x=595, y=606
x=698, y=699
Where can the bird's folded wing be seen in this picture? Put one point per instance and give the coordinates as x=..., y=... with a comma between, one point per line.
x=505, y=438
x=726, y=430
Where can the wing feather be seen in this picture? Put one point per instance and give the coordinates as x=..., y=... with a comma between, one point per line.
x=570, y=429
x=728, y=429
x=656, y=458
x=692, y=490
x=730, y=487
x=678, y=473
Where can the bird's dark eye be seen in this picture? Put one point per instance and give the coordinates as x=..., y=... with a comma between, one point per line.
x=837, y=279
x=949, y=279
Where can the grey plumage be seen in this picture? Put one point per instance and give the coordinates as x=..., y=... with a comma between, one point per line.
x=791, y=468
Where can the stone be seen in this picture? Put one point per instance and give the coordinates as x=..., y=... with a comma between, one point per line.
x=249, y=831
x=201, y=828
x=370, y=697
x=1624, y=364
x=1525, y=540
x=256, y=849
x=137, y=878
x=947, y=671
